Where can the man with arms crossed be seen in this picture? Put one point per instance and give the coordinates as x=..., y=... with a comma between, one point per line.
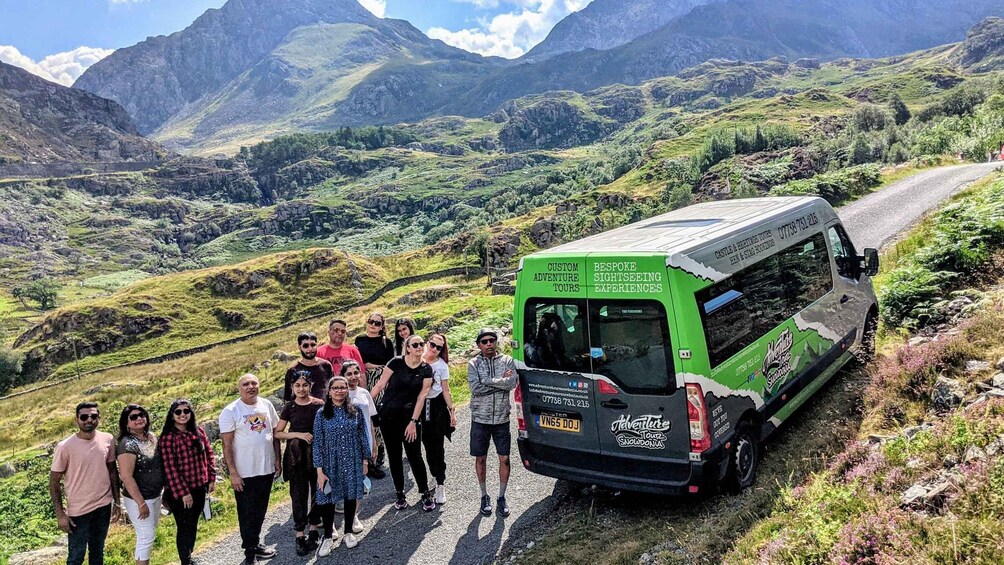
x=251, y=452
x=86, y=460
x=492, y=377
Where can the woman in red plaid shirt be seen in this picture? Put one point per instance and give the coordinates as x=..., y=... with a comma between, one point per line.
x=189, y=472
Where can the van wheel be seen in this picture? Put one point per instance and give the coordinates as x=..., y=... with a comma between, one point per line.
x=744, y=458
x=867, y=350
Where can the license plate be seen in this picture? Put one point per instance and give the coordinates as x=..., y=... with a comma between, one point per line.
x=560, y=424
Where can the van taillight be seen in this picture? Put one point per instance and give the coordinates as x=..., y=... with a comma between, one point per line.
x=697, y=413
x=517, y=397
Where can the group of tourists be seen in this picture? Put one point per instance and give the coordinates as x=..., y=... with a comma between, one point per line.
x=345, y=409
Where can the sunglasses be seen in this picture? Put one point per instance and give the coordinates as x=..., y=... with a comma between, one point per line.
x=487, y=341
x=416, y=345
x=435, y=345
x=376, y=323
x=136, y=416
x=308, y=345
x=85, y=417
x=352, y=374
x=182, y=411
x=338, y=330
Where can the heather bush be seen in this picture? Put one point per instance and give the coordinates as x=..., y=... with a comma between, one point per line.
x=874, y=538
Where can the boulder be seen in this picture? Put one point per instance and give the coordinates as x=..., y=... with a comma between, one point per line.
x=212, y=429
x=947, y=394
x=283, y=357
x=976, y=366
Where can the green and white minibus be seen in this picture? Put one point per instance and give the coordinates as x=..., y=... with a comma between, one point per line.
x=657, y=356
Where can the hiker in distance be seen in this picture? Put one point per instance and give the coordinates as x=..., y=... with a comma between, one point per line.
x=492, y=378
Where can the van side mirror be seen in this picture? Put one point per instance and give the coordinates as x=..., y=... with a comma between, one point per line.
x=871, y=261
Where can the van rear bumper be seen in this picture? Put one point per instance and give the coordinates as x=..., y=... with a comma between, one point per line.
x=669, y=476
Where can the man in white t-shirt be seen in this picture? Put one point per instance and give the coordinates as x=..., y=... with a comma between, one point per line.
x=251, y=452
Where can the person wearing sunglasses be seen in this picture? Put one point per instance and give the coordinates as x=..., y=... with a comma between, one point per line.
x=296, y=427
x=317, y=371
x=407, y=381
x=141, y=475
x=439, y=418
x=403, y=329
x=189, y=473
x=341, y=451
x=85, y=462
x=492, y=378
x=336, y=351
x=376, y=350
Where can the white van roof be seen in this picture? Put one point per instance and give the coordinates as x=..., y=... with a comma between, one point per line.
x=692, y=227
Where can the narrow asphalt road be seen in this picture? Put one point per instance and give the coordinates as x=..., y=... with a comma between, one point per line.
x=455, y=533
x=875, y=219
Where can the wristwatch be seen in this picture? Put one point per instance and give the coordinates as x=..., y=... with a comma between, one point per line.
x=414, y=421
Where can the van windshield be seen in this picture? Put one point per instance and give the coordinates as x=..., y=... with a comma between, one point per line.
x=625, y=340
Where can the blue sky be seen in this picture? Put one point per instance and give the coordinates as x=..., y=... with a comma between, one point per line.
x=58, y=39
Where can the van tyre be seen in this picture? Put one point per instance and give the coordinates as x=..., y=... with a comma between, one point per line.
x=866, y=352
x=744, y=458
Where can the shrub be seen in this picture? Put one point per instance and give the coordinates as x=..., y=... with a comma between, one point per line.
x=11, y=363
x=874, y=538
x=835, y=187
x=909, y=293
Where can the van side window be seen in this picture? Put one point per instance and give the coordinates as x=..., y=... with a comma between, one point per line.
x=744, y=307
x=556, y=335
x=805, y=273
x=740, y=309
x=843, y=252
x=630, y=344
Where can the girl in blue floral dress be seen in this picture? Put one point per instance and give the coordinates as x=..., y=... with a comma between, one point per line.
x=341, y=451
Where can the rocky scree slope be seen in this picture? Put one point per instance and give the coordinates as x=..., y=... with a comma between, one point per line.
x=44, y=122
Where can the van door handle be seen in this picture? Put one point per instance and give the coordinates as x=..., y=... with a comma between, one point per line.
x=844, y=298
x=616, y=404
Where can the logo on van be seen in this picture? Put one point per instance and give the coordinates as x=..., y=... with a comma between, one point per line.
x=777, y=362
x=647, y=431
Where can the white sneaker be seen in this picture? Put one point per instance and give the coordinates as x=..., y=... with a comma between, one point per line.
x=351, y=541
x=440, y=494
x=325, y=548
x=357, y=526
x=340, y=507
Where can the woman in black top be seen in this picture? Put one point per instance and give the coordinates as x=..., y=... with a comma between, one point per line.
x=406, y=380
x=142, y=477
x=403, y=329
x=376, y=349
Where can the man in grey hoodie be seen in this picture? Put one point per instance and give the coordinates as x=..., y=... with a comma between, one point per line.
x=492, y=377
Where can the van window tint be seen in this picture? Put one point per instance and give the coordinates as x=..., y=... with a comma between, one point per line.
x=805, y=273
x=630, y=344
x=742, y=308
x=555, y=335
x=843, y=252
x=626, y=340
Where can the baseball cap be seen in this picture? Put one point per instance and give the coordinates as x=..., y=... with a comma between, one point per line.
x=486, y=331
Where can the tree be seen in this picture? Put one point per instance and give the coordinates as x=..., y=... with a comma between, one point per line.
x=11, y=363
x=859, y=152
x=42, y=291
x=900, y=113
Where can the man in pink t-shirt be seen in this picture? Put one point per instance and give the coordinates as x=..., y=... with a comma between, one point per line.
x=336, y=350
x=85, y=461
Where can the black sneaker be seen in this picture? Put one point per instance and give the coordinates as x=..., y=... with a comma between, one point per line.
x=302, y=547
x=503, y=507
x=486, y=505
x=263, y=552
x=428, y=503
x=312, y=536
x=402, y=502
x=376, y=473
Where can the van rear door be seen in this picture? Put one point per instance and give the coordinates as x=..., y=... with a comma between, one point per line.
x=641, y=410
x=557, y=387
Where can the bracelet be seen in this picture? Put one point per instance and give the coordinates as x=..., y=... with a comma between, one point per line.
x=414, y=420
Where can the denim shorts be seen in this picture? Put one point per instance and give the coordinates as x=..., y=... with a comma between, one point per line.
x=481, y=434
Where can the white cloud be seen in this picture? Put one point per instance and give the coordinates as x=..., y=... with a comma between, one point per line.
x=510, y=34
x=378, y=7
x=63, y=68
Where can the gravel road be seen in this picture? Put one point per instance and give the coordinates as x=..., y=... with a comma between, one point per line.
x=875, y=219
x=455, y=533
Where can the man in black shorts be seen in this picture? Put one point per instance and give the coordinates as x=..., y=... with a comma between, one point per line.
x=492, y=377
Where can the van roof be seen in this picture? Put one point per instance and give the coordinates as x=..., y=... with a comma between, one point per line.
x=691, y=227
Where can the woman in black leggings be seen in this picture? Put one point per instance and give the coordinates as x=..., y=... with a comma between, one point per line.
x=405, y=383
